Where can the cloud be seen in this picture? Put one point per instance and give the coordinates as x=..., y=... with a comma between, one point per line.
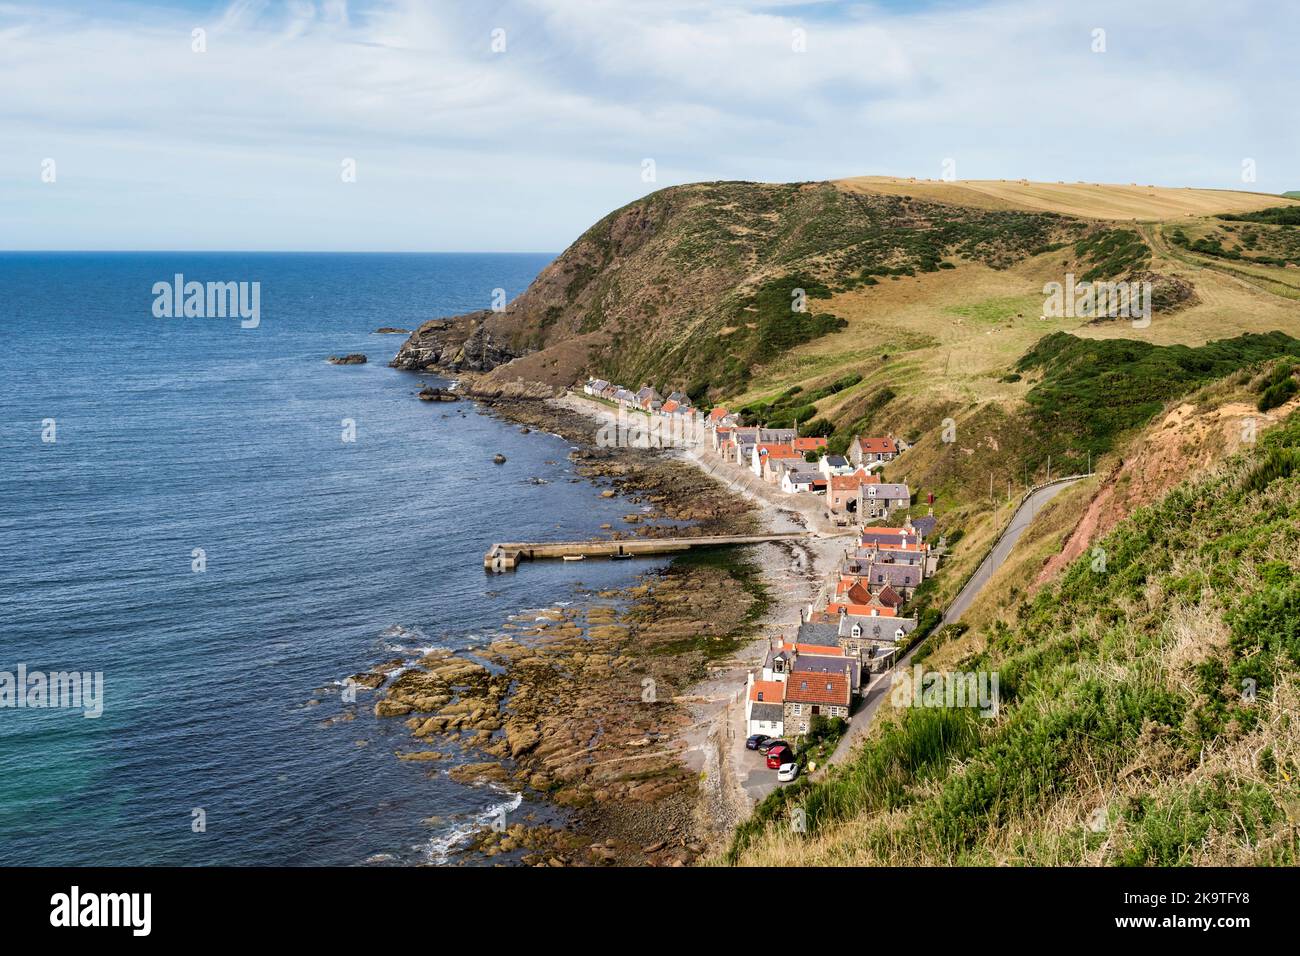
x=458, y=147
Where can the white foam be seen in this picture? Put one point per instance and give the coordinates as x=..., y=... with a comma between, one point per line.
x=439, y=849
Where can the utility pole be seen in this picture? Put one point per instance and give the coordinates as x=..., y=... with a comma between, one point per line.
x=1008, y=489
x=1049, y=469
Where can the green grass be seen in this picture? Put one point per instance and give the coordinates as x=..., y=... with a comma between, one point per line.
x=998, y=310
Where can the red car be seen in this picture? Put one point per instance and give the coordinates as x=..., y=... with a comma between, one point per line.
x=777, y=756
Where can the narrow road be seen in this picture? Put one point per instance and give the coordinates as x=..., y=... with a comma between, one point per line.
x=878, y=689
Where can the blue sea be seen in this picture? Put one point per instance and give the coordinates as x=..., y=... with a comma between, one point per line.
x=184, y=442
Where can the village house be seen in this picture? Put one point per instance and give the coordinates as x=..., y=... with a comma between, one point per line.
x=776, y=468
x=765, y=707
x=797, y=481
x=648, y=398
x=904, y=579
x=770, y=451
x=805, y=445
x=596, y=387
x=844, y=492
x=810, y=694
x=786, y=660
x=880, y=500
x=872, y=639
x=625, y=398
x=865, y=450
x=832, y=465
x=720, y=418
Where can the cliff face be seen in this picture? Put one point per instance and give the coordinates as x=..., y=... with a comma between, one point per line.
x=693, y=286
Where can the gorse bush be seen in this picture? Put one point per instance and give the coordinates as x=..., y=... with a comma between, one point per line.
x=1092, y=391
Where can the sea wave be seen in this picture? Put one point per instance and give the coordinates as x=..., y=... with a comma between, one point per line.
x=439, y=849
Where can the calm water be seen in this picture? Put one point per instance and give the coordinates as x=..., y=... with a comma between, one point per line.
x=323, y=557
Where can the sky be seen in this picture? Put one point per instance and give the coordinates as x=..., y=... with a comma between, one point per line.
x=399, y=125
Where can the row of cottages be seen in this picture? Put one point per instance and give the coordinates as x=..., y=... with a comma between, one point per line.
x=797, y=683
x=736, y=444
x=647, y=398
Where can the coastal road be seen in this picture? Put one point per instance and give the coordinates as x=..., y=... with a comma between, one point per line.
x=878, y=689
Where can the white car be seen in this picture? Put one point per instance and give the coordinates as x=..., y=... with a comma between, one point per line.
x=787, y=772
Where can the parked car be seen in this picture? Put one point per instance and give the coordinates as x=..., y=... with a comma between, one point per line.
x=756, y=741
x=787, y=772
x=767, y=745
x=779, y=755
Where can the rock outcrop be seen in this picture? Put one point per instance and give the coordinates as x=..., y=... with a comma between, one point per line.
x=356, y=358
x=463, y=344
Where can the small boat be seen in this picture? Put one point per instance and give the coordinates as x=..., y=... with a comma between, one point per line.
x=621, y=556
x=574, y=557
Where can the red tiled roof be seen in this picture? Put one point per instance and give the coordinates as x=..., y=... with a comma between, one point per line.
x=889, y=597
x=855, y=610
x=669, y=406
x=808, y=688
x=878, y=444
x=772, y=450
x=809, y=444
x=815, y=649
x=853, y=481
x=857, y=594
x=717, y=414
x=773, y=691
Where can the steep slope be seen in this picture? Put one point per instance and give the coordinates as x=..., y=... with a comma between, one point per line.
x=1147, y=708
x=696, y=286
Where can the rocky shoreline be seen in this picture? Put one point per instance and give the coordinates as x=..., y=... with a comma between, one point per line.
x=585, y=706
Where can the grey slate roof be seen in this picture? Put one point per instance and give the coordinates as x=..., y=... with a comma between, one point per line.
x=887, y=490
x=899, y=575
x=766, y=711
x=818, y=632
x=879, y=628
x=827, y=665
x=925, y=525
x=876, y=628
x=869, y=535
